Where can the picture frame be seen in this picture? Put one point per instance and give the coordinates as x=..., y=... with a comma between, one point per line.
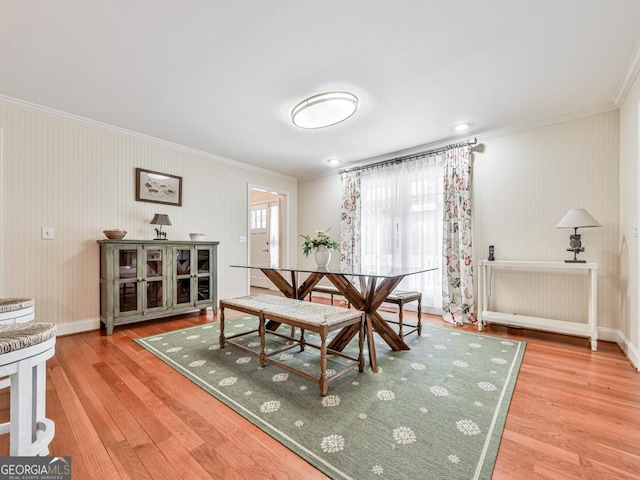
x=158, y=187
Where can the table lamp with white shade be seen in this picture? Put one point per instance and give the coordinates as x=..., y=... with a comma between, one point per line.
x=577, y=218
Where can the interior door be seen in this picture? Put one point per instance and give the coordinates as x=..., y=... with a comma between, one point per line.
x=260, y=235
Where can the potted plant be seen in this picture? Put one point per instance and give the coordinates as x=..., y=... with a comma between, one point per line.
x=321, y=245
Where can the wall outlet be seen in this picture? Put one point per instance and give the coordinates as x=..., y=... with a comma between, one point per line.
x=47, y=233
x=243, y=239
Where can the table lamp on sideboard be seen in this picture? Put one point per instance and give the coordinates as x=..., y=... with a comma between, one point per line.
x=160, y=219
x=576, y=218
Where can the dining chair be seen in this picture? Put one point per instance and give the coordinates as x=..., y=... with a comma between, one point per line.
x=327, y=290
x=400, y=298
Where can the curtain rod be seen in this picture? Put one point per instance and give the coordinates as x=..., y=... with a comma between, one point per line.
x=415, y=156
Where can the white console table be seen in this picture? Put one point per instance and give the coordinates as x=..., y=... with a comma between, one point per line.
x=589, y=329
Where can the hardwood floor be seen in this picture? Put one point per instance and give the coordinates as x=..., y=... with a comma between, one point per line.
x=122, y=413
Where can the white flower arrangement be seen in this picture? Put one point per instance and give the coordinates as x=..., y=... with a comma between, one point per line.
x=321, y=238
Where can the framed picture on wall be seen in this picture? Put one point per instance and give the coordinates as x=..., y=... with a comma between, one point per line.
x=156, y=187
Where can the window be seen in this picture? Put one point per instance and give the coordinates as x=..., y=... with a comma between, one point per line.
x=258, y=218
x=401, y=222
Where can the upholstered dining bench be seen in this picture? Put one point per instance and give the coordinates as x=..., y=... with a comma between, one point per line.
x=318, y=318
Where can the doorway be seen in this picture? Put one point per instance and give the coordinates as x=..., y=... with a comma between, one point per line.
x=266, y=231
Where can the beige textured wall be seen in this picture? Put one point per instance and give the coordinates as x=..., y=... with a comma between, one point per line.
x=523, y=185
x=319, y=209
x=629, y=158
x=78, y=177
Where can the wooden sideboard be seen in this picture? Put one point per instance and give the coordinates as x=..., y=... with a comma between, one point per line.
x=145, y=279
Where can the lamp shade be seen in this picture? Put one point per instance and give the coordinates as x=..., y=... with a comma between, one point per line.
x=577, y=218
x=160, y=219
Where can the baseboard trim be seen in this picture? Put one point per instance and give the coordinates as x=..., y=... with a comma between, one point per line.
x=629, y=350
x=632, y=354
x=609, y=335
x=605, y=334
x=71, y=328
x=627, y=347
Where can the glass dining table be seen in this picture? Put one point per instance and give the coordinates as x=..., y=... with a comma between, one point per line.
x=376, y=283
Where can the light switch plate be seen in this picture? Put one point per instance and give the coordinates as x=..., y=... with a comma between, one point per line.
x=47, y=233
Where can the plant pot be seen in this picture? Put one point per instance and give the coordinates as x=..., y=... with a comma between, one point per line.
x=322, y=256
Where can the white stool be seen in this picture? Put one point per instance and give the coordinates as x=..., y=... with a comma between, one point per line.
x=16, y=310
x=24, y=351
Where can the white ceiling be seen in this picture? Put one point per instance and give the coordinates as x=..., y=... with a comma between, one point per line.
x=222, y=76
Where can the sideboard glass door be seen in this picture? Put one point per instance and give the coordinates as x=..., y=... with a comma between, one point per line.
x=155, y=294
x=204, y=275
x=182, y=260
x=128, y=300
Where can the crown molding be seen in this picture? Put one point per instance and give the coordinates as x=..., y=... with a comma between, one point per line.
x=408, y=151
x=545, y=123
x=479, y=135
x=628, y=78
x=136, y=136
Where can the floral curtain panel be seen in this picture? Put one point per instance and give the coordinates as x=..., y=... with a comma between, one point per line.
x=457, y=274
x=350, y=220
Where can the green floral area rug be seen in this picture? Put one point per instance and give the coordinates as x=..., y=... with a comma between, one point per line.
x=434, y=412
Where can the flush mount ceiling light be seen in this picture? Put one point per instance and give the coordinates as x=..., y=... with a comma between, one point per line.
x=324, y=109
x=334, y=161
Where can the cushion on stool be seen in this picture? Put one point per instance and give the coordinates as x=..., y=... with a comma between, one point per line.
x=326, y=289
x=402, y=295
x=16, y=310
x=22, y=335
x=11, y=304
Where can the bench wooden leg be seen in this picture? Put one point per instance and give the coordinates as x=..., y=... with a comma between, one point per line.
x=323, y=364
x=221, y=326
x=262, y=330
x=302, y=340
x=400, y=310
x=361, y=347
x=371, y=344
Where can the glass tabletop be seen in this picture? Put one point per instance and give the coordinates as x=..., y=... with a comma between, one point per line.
x=361, y=271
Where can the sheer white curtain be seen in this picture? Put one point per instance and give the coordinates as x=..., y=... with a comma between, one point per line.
x=401, y=222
